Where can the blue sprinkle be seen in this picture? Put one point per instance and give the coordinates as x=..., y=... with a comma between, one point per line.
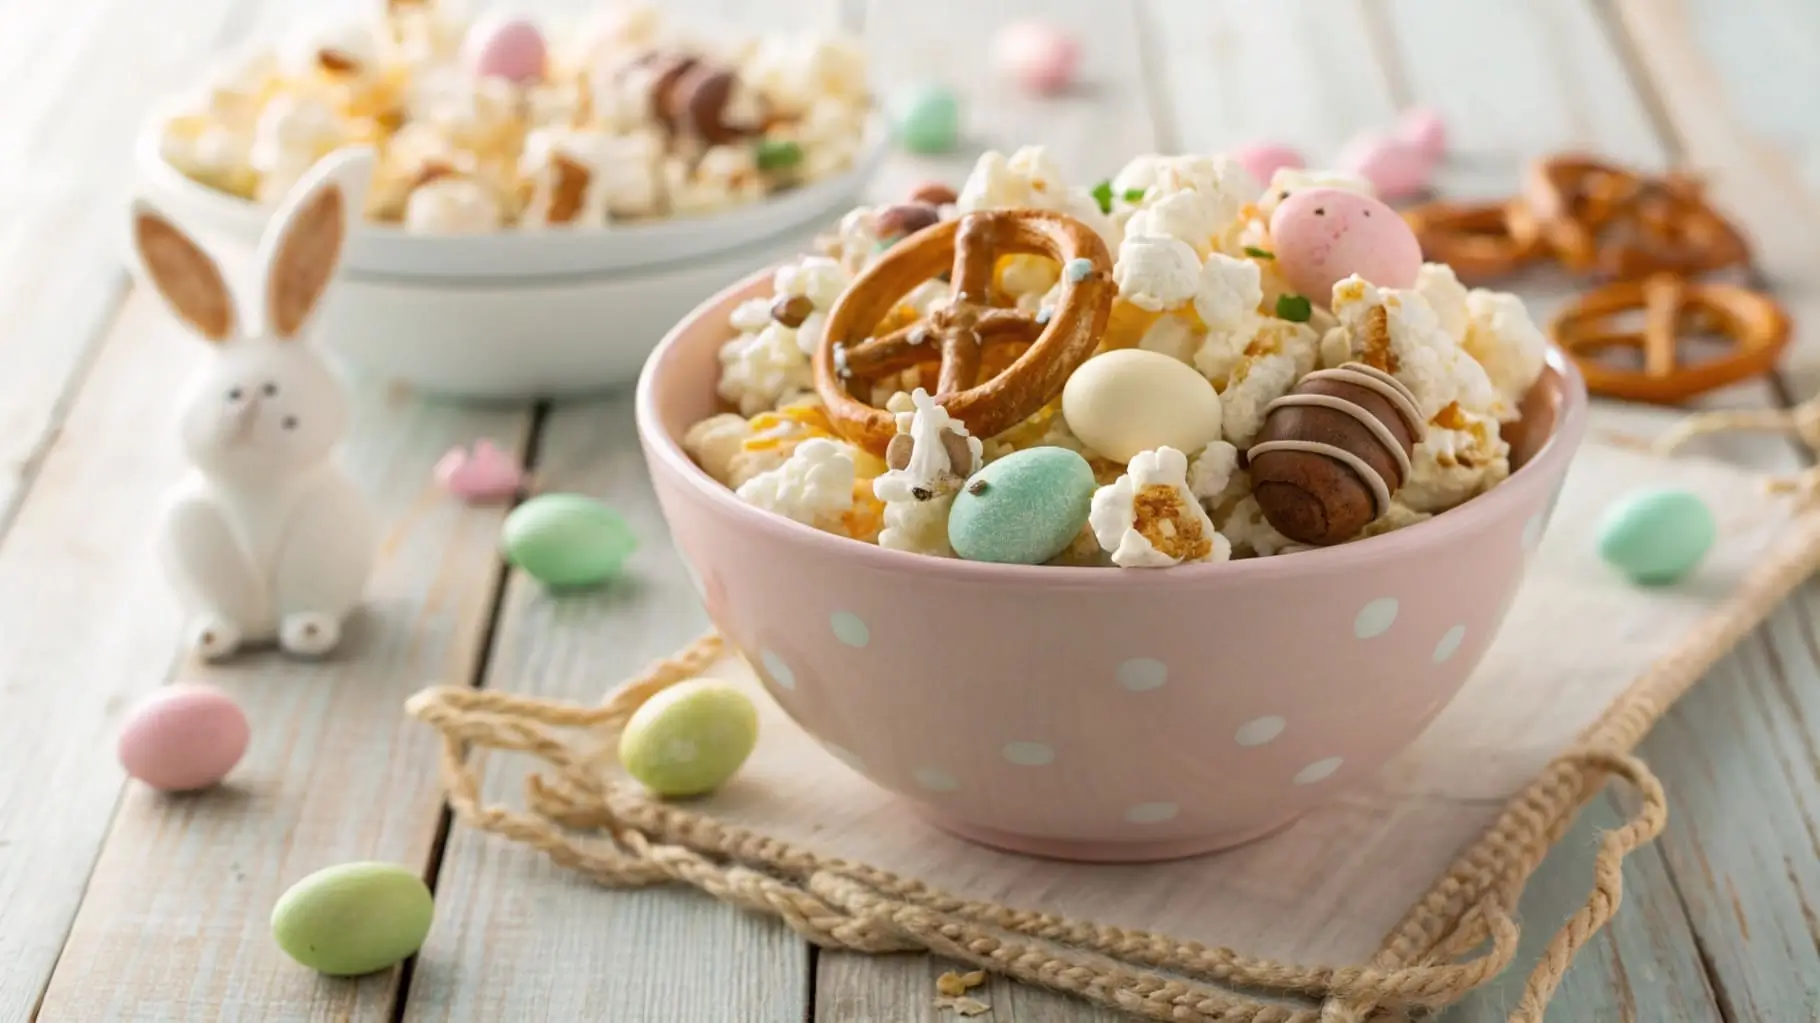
x=1043, y=316
x=1078, y=270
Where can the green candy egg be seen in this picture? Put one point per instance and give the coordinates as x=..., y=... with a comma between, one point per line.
x=567, y=540
x=690, y=738
x=1657, y=535
x=926, y=118
x=354, y=918
x=1023, y=509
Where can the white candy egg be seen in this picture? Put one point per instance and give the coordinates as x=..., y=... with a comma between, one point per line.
x=1132, y=400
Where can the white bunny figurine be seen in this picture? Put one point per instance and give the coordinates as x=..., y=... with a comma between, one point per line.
x=266, y=538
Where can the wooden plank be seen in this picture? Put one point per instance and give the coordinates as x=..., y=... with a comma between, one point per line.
x=173, y=924
x=75, y=78
x=519, y=938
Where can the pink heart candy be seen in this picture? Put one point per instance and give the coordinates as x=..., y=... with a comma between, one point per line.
x=1423, y=128
x=1038, y=56
x=1395, y=168
x=513, y=50
x=1263, y=159
x=482, y=475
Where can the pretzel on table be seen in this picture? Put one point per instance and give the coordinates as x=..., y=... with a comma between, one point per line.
x=1475, y=239
x=1597, y=217
x=1756, y=324
x=959, y=333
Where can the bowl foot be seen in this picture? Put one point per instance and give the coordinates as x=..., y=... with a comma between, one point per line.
x=1140, y=851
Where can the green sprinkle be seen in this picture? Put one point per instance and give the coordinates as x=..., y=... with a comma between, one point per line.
x=774, y=155
x=1295, y=308
x=1135, y=195
x=1256, y=253
x=1102, y=194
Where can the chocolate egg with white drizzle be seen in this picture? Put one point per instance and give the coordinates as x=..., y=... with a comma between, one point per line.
x=1333, y=452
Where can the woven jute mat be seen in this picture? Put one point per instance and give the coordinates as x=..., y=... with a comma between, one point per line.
x=1413, y=879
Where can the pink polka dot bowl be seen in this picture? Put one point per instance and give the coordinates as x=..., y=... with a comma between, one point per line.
x=1102, y=714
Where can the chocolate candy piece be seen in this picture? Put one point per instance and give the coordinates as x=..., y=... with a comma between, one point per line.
x=904, y=220
x=792, y=310
x=933, y=193
x=696, y=103
x=664, y=70
x=1333, y=452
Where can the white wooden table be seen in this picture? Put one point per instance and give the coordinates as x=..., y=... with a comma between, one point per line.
x=116, y=905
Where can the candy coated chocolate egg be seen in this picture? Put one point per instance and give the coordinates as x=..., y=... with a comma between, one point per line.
x=354, y=918
x=689, y=739
x=1131, y=400
x=1656, y=536
x=567, y=540
x=1424, y=128
x=183, y=737
x=926, y=118
x=1396, y=169
x=1263, y=159
x=1024, y=508
x=1323, y=235
x=512, y=50
x=1038, y=56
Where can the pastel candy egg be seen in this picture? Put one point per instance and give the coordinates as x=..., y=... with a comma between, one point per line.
x=690, y=738
x=1657, y=535
x=925, y=118
x=354, y=918
x=1038, y=56
x=513, y=50
x=183, y=737
x=1424, y=128
x=1024, y=508
x=1324, y=235
x=1263, y=159
x=1132, y=399
x=567, y=540
x=1396, y=169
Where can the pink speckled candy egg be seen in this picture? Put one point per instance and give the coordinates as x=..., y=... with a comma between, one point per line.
x=1424, y=128
x=1038, y=56
x=183, y=737
x=1324, y=235
x=1263, y=159
x=1396, y=169
x=511, y=49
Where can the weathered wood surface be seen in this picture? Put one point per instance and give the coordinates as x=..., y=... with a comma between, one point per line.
x=1716, y=921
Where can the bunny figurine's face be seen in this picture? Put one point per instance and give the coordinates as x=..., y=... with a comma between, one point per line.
x=267, y=403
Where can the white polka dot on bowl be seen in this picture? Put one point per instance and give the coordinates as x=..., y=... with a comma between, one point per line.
x=1318, y=771
x=935, y=779
x=1142, y=674
x=849, y=629
x=1029, y=754
x=1449, y=644
x=779, y=672
x=1259, y=731
x=1375, y=618
x=1152, y=813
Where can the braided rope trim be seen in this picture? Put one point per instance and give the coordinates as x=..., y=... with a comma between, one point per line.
x=1454, y=939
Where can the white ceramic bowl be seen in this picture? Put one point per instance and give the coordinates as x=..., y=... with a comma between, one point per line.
x=521, y=313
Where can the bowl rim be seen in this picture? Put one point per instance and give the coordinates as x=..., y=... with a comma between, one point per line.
x=1429, y=534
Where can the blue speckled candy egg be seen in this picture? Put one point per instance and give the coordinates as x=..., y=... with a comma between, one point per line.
x=1657, y=535
x=1023, y=509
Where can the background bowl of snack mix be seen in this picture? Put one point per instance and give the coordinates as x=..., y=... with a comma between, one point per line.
x=1074, y=708
x=546, y=203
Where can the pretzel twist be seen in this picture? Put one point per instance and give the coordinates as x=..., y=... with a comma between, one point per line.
x=958, y=334
x=1596, y=217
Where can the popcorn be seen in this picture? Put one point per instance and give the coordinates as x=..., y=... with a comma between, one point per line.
x=725, y=176
x=760, y=370
x=1157, y=273
x=1215, y=479
x=813, y=487
x=820, y=280
x=919, y=493
x=1250, y=533
x=1461, y=457
x=1172, y=335
x=1502, y=338
x=715, y=442
x=1149, y=518
x=1228, y=294
x=1029, y=178
x=292, y=133
x=1185, y=216
x=1265, y=369
x=478, y=114
x=582, y=176
x=211, y=153
x=1437, y=283
x=1413, y=347
x=452, y=205
x=1397, y=517
x=855, y=240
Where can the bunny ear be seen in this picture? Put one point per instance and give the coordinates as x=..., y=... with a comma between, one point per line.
x=188, y=279
x=303, y=247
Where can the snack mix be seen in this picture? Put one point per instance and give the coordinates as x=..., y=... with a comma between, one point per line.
x=1376, y=405
x=480, y=129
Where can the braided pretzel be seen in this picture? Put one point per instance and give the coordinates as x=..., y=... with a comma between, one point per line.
x=1473, y=238
x=959, y=333
x=1754, y=322
x=1598, y=217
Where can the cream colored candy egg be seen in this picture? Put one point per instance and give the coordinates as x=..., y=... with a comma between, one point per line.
x=1131, y=400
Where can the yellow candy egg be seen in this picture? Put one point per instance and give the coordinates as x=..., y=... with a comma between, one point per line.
x=1130, y=400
